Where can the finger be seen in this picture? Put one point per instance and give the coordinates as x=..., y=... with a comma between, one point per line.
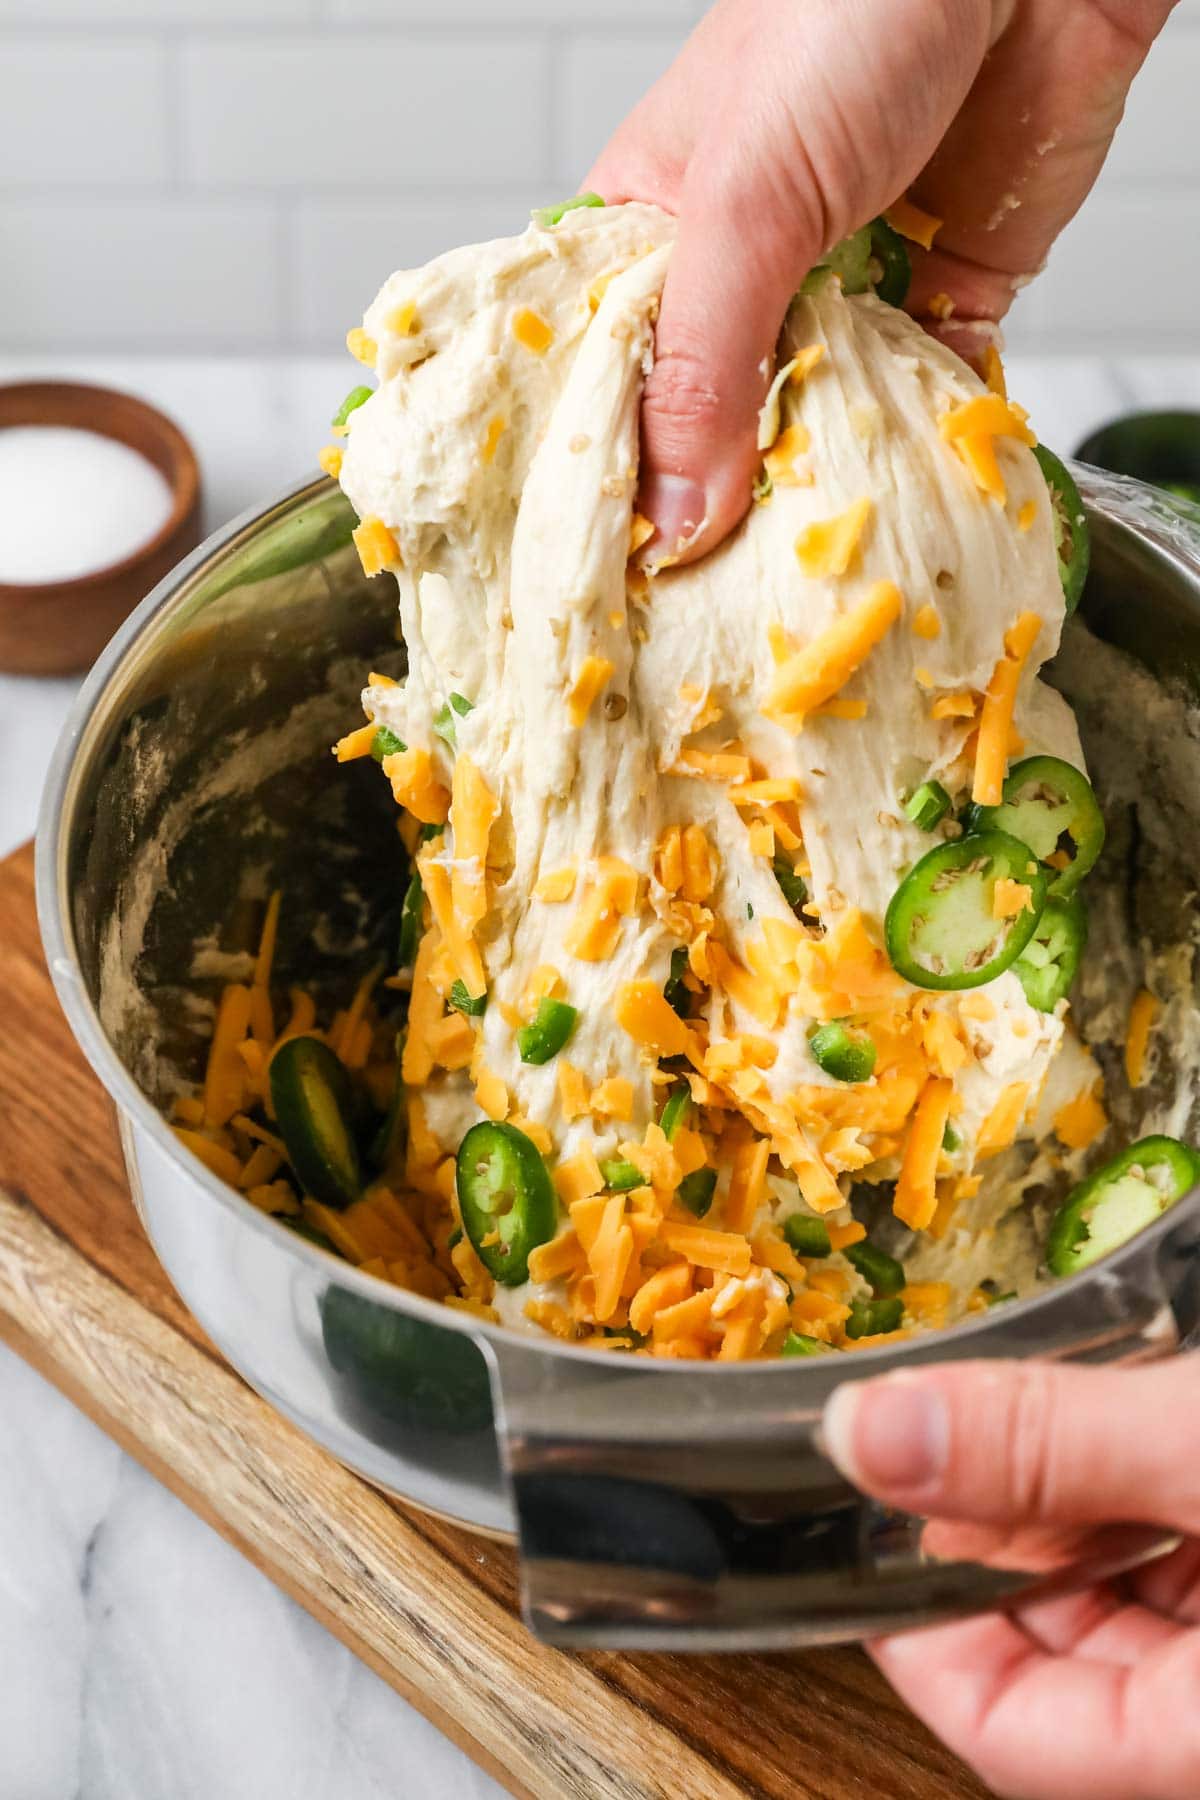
x=810, y=136
x=1041, y=1727
x=1171, y=1584
x=1099, y=1624
x=1018, y=161
x=1027, y=1444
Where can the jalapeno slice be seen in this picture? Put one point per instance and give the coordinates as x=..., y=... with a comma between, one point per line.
x=791, y=886
x=798, y=1343
x=889, y=254
x=807, y=1236
x=1050, y=960
x=472, y=1006
x=314, y=1107
x=849, y=260
x=1049, y=805
x=1072, y=538
x=505, y=1197
x=941, y=930
x=1118, y=1201
x=548, y=1031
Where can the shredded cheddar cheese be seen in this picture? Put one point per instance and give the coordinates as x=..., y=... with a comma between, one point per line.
x=1137, y=1037
x=995, y=723
x=828, y=546
x=912, y=222
x=814, y=674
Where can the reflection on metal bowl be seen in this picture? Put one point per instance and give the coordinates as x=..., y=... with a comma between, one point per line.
x=657, y=1505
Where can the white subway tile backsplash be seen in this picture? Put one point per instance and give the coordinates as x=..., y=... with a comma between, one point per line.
x=343, y=251
x=84, y=113
x=567, y=14
x=150, y=274
x=365, y=112
x=602, y=77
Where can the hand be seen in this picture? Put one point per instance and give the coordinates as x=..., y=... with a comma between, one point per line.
x=1091, y=1696
x=782, y=127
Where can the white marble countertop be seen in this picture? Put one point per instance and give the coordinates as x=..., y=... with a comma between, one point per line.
x=142, y=1657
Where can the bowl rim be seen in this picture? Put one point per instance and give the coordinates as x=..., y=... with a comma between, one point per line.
x=183, y=482
x=59, y=944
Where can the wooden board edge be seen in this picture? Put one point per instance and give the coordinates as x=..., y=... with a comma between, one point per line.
x=541, y=1722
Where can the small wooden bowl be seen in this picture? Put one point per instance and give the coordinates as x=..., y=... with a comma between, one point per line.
x=59, y=627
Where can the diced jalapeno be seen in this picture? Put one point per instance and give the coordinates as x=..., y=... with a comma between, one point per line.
x=505, y=1198
x=846, y=1055
x=549, y=1030
x=443, y=722
x=941, y=927
x=1072, y=537
x=675, y=1112
x=1049, y=804
x=807, y=1236
x=620, y=1176
x=869, y=1318
x=386, y=743
x=884, y=1273
x=464, y=1001
x=951, y=1140
x=1118, y=1201
x=354, y=399
x=314, y=1107
x=889, y=254
x=546, y=216
x=695, y=1191
x=1050, y=960
x=797, y=1343
x=676, y=993
x=791, y=885
x=927, y=805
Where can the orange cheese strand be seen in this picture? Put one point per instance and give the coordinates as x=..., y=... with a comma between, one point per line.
x=1081, y=1121
x=828, y=546
x=355, y=744
x=1137, y=1037
x=995, y=721
x=915, y=1199
x=591, y=675
x=377, y=548
x=912, y=222
x=225, y=1076
x=415, y=785
x=973, y=427
x=473, y=810
x=642, y=1010
x=814, y=674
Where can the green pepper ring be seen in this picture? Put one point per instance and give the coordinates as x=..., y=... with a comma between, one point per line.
x=1070, y=1246
x=918, y=891
x=497, y=1161
x=891, y=253
x=1070, y=525
x=1085, y=819
x=1062, y=931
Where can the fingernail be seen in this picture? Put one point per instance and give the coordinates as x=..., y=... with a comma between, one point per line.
x=887, y=1436
x=677, y=507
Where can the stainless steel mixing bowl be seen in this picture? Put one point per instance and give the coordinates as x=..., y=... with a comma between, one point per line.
x=657, y=1505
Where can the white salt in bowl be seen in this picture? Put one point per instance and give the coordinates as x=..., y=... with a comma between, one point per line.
x=131, y=521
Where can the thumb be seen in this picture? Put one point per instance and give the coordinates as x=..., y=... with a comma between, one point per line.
x=731, y=278
x=1032, y=1443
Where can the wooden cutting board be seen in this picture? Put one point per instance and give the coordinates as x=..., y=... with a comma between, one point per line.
x=430, y=1607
